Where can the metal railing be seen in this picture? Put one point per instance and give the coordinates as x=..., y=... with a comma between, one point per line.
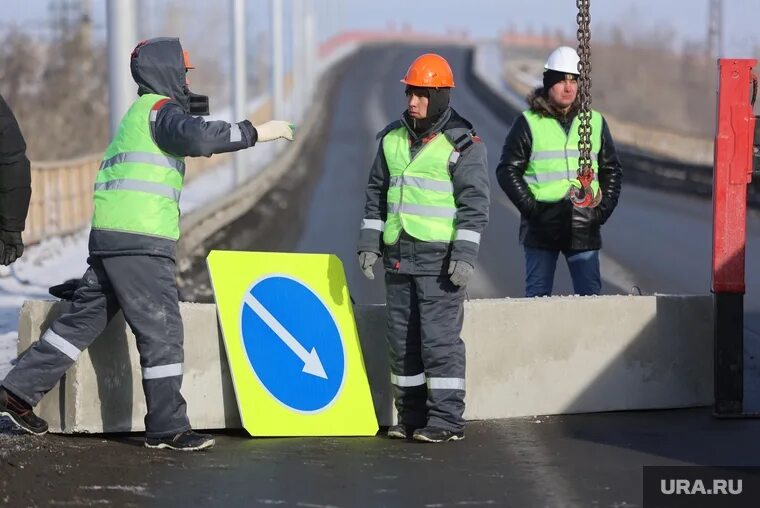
x=61, y=197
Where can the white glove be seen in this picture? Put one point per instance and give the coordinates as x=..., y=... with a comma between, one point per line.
x=366, y=261
x=275, y=129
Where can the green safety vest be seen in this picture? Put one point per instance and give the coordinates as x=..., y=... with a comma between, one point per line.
x=420, y=194
x=553, y=165
x=138, y=186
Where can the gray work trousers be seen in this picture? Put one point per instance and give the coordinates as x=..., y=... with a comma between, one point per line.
x=145, y=289
x=427, y=355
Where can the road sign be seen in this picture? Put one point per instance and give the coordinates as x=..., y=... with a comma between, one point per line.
x=292, y=344
x=284, y=327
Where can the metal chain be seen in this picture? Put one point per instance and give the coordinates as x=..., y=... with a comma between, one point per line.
x=584, y=86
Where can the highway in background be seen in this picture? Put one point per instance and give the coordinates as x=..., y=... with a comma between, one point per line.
x=659, y=241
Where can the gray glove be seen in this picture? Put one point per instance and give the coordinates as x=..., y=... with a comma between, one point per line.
x=11, y=246
x=460, y=272
x=366, y=261
x=275, y=129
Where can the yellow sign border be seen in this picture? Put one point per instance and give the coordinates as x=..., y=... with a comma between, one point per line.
x=351, y=413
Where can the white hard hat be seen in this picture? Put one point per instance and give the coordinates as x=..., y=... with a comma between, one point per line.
x=563, y=59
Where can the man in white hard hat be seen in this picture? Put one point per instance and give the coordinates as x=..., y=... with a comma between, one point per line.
x=538, y=166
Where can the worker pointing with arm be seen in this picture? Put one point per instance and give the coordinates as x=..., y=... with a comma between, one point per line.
x=135, y=228
x=426, y=207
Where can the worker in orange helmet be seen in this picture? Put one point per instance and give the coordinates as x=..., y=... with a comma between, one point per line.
x=426, y=207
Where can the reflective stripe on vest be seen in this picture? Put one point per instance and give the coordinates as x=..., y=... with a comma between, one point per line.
x=553, y=164
x=145, y=158
x=420, y=194
x=138, y=187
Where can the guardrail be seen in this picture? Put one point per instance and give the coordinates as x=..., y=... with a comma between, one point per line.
x=60, y=192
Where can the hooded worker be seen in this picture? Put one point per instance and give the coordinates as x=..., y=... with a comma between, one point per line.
x=135, y=228
x=426, y=207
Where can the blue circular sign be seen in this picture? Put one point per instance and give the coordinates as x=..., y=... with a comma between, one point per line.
x=293, y=343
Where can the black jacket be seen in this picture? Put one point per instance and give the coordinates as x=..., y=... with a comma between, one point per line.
x=15, y=174
x=158, y=68
x=557, y=225
x=469, y=176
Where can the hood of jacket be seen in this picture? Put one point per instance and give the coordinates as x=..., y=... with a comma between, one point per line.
x=158, y=67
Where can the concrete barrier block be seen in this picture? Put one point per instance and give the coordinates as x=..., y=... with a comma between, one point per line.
x=573, y=355
x=524, y=357
x=102, y=392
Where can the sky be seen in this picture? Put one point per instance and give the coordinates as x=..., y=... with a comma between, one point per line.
x=481, y=18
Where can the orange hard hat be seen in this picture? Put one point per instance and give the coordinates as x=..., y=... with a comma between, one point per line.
x=430, y=71
x=186, y=57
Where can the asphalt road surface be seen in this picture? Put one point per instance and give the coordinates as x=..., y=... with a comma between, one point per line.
x=556, y=462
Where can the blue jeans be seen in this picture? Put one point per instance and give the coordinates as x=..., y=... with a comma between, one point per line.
x=541, y=263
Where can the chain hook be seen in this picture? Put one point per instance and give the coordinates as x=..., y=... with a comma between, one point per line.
x=584, y=196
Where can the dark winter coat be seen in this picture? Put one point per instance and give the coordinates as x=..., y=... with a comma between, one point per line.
x=158, y=68
x=15, y=174
x=469, y=176
x=558, y=225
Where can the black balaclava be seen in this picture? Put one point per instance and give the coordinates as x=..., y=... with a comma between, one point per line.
x=438, y=103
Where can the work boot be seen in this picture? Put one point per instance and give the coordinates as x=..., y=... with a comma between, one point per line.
x=20, y=413
x=188, y=441
x=400, y=431
x=436, y=435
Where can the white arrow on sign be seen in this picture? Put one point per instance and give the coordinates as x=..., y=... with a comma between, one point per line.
x=311, y=362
